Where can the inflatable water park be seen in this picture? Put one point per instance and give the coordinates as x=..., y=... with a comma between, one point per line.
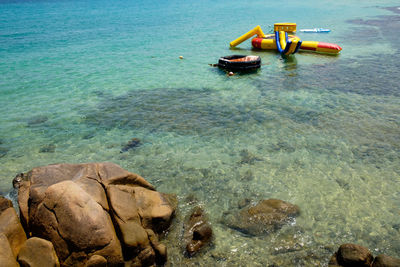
x=284, y=41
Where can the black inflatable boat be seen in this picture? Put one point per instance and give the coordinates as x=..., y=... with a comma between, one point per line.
x=239, y=63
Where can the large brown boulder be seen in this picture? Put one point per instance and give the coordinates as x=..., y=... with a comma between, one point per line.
x=385, y=261
x=136, y=210
x=264, y=217
x=94, y=209
x=11, y=227
x=38, y=252
x=351, y=255
x=75, y=222
x=198, y=231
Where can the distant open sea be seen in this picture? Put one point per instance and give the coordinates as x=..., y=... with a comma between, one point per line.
x=80, y=78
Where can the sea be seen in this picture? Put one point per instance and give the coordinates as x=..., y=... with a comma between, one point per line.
x=79, y=79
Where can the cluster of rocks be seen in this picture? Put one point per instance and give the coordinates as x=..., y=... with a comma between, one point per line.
x=99, y=214
x=351, y=255
x=94, y=214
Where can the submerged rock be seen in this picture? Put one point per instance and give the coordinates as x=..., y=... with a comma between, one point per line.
x=264, y=217
x=247, y=176
x=95, y=209
x=88, y=136
x=36, y=120
x=248, y=158
x=198, y=231
x=51, y=148
x=350, y=255
x=3, y=151
x=385, y=261
x=134, y=142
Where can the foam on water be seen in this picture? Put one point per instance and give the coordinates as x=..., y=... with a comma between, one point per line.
x=79, y=79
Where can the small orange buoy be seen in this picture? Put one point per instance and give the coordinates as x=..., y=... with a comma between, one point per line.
x=181, y=57
x=231, y=73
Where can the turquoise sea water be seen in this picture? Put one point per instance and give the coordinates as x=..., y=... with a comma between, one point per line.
x=79, y=79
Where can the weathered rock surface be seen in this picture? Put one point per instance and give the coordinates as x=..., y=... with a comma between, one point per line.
x=6, y=254
x=264, y=217
x=96, y=261
x=350, y=255
x=385, y=261
x=95, y=209
x=37, y=252
x=5, y=204
x=10, y=226
x=74, y=222
x=198, y=231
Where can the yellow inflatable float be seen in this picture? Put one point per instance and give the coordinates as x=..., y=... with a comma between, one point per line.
x=285, y=43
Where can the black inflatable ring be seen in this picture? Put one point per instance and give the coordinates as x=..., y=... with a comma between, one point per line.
x=239, y=62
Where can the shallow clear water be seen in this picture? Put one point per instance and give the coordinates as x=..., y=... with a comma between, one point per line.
x=79, y=79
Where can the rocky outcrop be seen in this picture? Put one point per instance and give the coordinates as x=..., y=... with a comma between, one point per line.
x=264, y=217
x=95, y=213
x=198, y=231
x=37, y=252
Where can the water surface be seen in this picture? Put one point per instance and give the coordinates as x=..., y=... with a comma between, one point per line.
x=79, y=79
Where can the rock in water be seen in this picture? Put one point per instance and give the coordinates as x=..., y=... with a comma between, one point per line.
x=134, y=142
x=198, y=231
x=385, y=261
x=36, y=120
x=51, y=148
x=79, y=208
x=350, y=255
x=267, y=216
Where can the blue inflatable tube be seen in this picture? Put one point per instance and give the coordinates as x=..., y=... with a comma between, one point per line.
x=288, y=49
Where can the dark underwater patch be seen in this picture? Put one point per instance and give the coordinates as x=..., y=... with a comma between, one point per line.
x=371, y=76
x=36, y=120
x=3, y=151
x=388, y=26
x=376, y=153
x=50, y=148
x=184, y=111
x=133, y=143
